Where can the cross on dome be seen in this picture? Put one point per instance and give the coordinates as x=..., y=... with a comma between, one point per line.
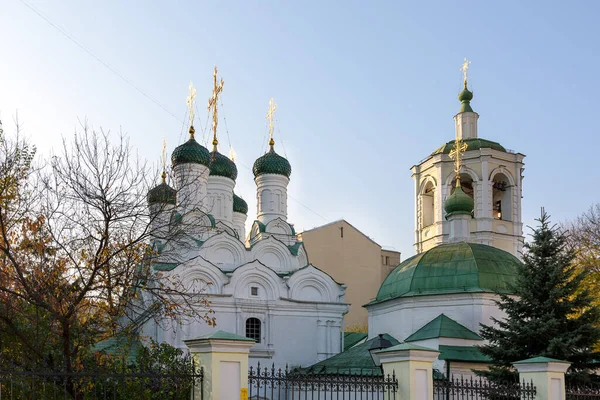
x=212, y=106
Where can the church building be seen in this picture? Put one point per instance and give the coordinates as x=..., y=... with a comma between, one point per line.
x=261, y=285
x=468, y=240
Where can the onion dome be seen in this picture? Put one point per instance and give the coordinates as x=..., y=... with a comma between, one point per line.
x=272, y=163
x=162, y=194
x=239, y=205
x=221, y=165
x=191, y=152
x=465, y=98
x=452, y=268
x=458, y=202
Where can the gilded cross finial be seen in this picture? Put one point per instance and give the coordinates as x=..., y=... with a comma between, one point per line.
x=456, y=154
x=271, y=119
x=464, y=69
x=212, y=106
x=190, y=103
x=164, y=161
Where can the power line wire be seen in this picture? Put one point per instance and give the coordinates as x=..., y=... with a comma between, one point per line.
x=88, y=51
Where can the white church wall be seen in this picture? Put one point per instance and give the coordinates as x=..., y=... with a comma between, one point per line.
x=402, y=317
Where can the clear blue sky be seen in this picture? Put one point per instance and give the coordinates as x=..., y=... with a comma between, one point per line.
x=365, y=90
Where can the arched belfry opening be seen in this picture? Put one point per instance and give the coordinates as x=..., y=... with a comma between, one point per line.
x=428, y=204
x=501, y=197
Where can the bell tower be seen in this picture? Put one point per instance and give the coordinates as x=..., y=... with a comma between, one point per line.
x=489, y=173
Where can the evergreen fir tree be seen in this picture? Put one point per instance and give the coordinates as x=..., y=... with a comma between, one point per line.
x=551, y=314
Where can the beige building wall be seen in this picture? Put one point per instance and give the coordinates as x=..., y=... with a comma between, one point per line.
x=351, y=258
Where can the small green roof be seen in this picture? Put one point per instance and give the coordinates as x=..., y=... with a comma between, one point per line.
x=451, y=268
x=458, y=203
x=222, y=335
x=539, y=360
x=272, y=163
x=462, y=353
x=120, y=346
x=443, y=326
x=221, y=165
x=239, y=204
x=406, y=346
x=356, y=360
x=351, y=338
x=162, y=194
x=472, y=144
x=465, y=98
x=191, y=152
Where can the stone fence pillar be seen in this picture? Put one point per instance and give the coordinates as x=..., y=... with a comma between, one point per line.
x=547, y=375
x=224, y=357
x=413, y=367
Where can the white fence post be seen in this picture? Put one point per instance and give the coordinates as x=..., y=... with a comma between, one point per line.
x=413, y=367
x=546, y=374
x=224, y=357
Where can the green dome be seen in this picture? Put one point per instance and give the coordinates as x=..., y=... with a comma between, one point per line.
x=239, y=205
x=465, y=98
x=458, y=203
x=162, y=194
x=221, y=165
x=472, y=144
x=452, y=268
x=191, y=152
x=272, y=163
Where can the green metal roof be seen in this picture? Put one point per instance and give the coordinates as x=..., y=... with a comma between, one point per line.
x=351, y=338
x=443, y=326
x=222, y=335
x=191, y=152
x=472, y=144
x=458, y=203
x=120, y=346
x=451, y=268
x=462, y=353
x=239, y=204
x=356, y=360
x=539, y=360
x=163, y=194
x=406, y=346
x=221, y=165
x=272, y=163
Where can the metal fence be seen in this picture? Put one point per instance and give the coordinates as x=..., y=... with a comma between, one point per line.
x=477, y=388
x=279, y=384
x=130, y=383
x=591, y=392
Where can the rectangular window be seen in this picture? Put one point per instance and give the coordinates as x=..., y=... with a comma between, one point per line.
x=254, y=291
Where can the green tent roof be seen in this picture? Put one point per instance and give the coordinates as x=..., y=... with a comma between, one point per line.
x=351, y=338
x=472, y=144
x=443, y=326
x=462, y=353
x=120, y=346
x=356, y=360
x=451, y=268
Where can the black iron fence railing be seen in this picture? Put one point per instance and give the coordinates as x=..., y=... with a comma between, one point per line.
x=574, y=392
x=279, y=384
x=477, y=388
x=130, y=383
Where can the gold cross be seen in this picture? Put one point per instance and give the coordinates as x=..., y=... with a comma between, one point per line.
x=190, y=102
x=456, y=154
x=212, y=105
x=464, y=69
x=164, y=160
x=271, y=119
